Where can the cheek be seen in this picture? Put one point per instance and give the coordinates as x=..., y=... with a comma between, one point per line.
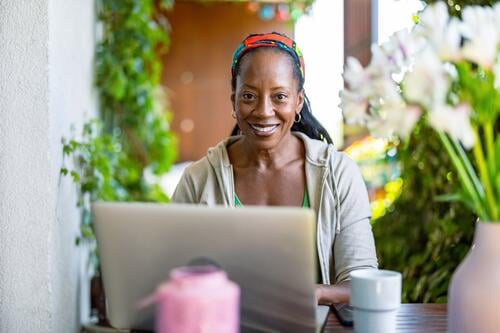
x=243, y=108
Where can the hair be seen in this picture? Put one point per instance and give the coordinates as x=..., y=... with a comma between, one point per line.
x=308, y=124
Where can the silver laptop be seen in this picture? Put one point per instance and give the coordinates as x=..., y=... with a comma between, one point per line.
x=269, y=252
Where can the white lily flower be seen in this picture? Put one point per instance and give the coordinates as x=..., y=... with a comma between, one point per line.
x=400, y=48
x=408, y=117
x=455, y=121
x=480, y=30
x=354, y=74
x=434, y=17
x=359, y=81
x=394, y=118
x=386, y=90
x=440, y=31
x=380, y=65
x=427, y=84
x=449, y=46
x=354, y=107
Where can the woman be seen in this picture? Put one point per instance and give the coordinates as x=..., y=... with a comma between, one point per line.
x=281, y=159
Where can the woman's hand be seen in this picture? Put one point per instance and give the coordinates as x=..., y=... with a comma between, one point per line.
x=329, y=294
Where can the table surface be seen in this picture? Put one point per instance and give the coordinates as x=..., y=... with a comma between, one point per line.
x=411, y=318
x=414, y=318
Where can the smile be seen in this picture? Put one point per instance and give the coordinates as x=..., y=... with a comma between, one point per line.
x=261, y=129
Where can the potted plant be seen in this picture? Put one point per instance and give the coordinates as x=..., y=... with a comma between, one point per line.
x=446, y=71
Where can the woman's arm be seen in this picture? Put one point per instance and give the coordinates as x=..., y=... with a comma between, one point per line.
x=337, y=293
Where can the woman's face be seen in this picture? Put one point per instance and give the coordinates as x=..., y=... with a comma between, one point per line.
x=266, y=99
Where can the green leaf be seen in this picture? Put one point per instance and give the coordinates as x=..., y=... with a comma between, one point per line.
x=75, y=176
x=117, y=84
x=451, y=197
x=86, y=232
x=67, y=150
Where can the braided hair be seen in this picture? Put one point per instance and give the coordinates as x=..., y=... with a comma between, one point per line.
x=308, y=124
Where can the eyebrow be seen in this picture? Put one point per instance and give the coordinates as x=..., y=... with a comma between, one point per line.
x=255, y=88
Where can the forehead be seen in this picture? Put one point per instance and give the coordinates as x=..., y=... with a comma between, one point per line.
x=266, y=62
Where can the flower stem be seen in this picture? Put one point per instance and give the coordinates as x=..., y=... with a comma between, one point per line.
x=470, y=170
x=464, y=177
x=483, y=174
x=490, y=149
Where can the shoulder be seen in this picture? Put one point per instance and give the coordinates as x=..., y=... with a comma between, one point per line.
x=324, y=154
x=198, y=169
x=188, y=187
x=316, y=151
x=343, y=165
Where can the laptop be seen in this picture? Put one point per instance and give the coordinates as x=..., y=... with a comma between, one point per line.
x=268, y=251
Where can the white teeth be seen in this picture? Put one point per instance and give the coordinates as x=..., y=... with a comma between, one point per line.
x=263, y=129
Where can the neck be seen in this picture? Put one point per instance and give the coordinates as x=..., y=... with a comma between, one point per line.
x=287, y=150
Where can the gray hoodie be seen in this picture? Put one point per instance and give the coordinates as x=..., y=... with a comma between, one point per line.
x=336, y=192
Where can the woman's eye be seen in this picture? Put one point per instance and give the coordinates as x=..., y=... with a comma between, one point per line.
x=281, y=97
x=247, y=97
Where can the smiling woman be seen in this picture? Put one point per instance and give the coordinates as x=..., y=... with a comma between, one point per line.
x=279, y=157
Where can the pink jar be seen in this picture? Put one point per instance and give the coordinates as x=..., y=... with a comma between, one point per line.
x=198, y=299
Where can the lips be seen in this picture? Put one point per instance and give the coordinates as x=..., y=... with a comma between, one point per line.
x=263, y=129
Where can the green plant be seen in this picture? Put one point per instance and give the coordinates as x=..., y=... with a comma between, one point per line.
x=102, y=170
x=439, y=77
x=460, y=60
x=423, y=238
x=114, y=154
x=128, y=73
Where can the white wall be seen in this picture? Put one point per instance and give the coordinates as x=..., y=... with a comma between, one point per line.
x=46, y=50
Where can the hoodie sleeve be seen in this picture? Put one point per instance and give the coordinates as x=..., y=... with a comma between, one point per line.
x=354, y=246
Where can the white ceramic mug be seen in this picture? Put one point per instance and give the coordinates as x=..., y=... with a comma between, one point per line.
x=375, y=297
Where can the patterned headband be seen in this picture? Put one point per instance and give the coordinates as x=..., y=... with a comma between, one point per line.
x=273, y=39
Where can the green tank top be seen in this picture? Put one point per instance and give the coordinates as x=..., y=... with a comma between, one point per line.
x=305, y=201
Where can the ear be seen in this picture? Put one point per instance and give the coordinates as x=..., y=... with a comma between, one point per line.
x=300, y=100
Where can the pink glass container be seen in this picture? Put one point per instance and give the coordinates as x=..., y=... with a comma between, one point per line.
x=198, y=299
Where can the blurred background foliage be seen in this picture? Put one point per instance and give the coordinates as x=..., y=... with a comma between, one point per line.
x=421, y=237
x=117, y=156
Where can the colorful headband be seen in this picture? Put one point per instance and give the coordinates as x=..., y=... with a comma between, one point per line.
x=273, y=39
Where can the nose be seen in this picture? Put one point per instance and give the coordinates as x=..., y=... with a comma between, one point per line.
x=264, y=107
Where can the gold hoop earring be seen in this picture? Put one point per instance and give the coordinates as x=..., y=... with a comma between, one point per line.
x=298, y=117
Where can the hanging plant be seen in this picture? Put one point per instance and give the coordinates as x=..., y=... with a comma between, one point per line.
x=116, y=156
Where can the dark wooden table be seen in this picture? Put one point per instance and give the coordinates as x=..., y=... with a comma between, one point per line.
x=414, y=318
x=411, y=318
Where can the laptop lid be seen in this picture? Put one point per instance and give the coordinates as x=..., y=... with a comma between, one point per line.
x=268, y=252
